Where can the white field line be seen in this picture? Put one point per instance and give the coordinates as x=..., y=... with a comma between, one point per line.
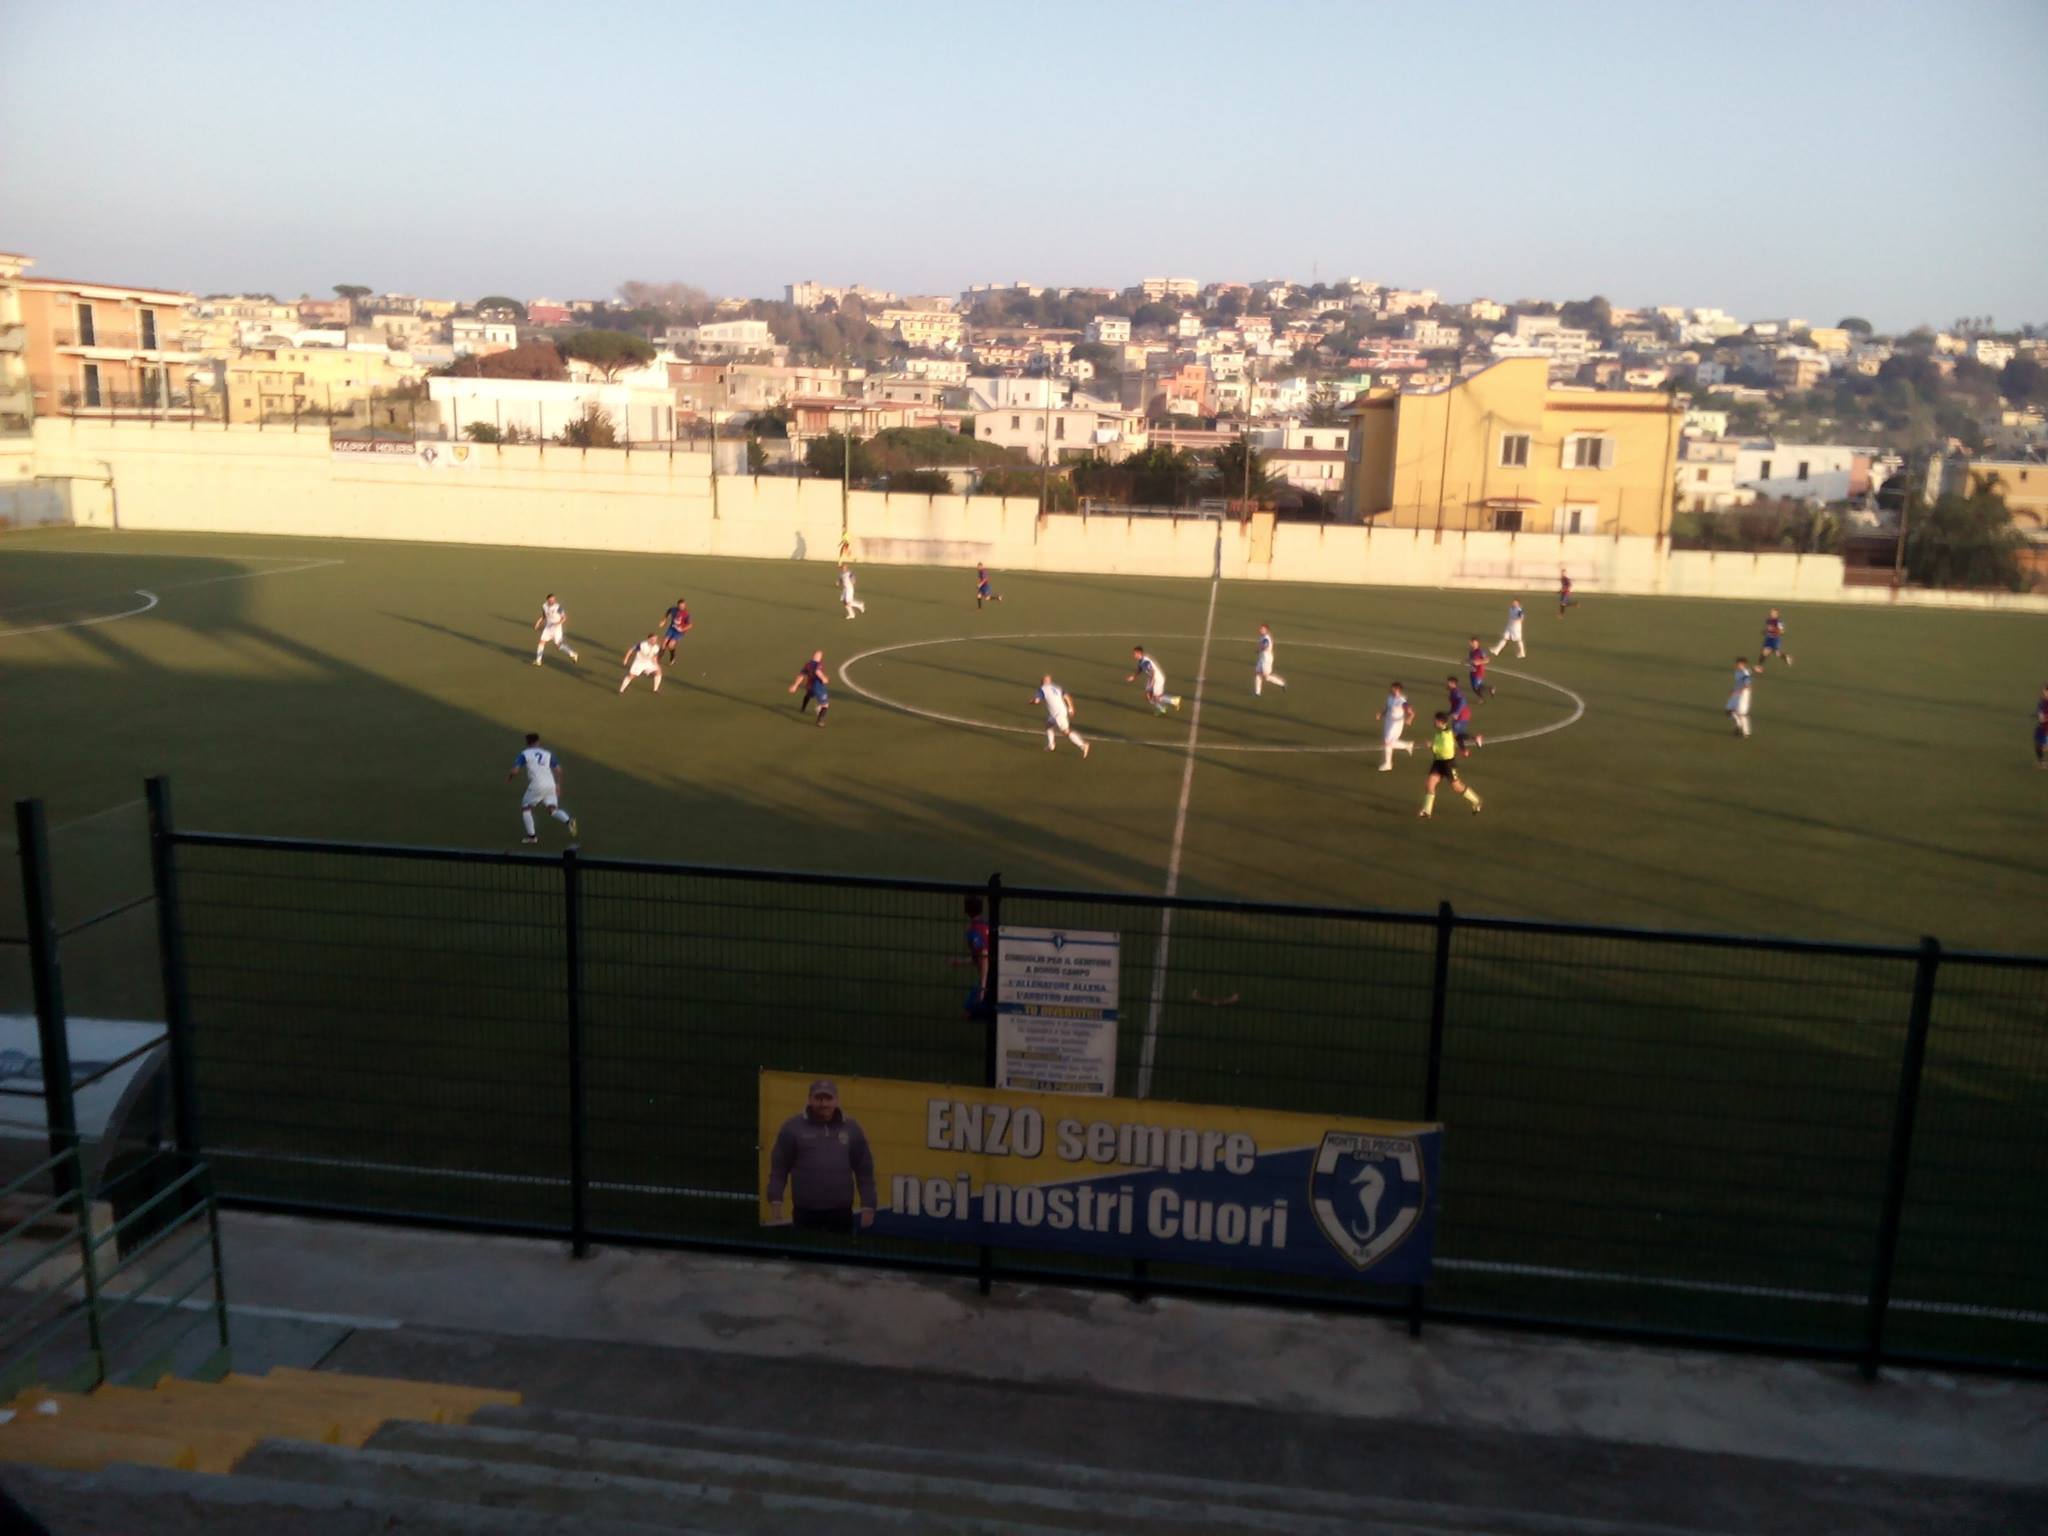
x=149, y=601
x=846, y=676
x=172, y=586
x=1180, y=828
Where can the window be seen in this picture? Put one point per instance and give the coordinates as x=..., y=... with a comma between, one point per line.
x=1308, y=442
x=1802, y=469
x=1587, y=453
x=1514, y=450
x=1507, y=520
x=1700, y=475
x=1578, y=517
x=1763, y=470
x=1016, y=423
x=91, y=380
x=86, y=334
x=148, y=319
x=1060, y=427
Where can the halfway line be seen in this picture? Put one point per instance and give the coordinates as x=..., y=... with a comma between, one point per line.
x=1180, y=828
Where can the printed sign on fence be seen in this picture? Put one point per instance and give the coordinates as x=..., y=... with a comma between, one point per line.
x=405, y=450
x=1132, y=1178
x=1056, y=1010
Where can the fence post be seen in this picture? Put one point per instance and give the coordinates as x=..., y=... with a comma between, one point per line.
x=1432, y=1087
x=579, y=1126
x=46, y=980
x=990, y=1061
x=1899, y=1164
x=170, y=945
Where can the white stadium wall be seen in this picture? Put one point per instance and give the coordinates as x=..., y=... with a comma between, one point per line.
x=244, y=480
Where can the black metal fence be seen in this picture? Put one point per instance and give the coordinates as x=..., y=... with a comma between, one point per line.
x=1825, y=1149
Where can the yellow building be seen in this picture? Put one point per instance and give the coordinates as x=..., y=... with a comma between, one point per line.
x=16, y=400
x=2021, y=483
x=278, y=384
x=1828, y=338
x=1507, y=450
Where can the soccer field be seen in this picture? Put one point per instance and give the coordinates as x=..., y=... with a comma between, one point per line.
x=379, y=692
x=1690, y=1137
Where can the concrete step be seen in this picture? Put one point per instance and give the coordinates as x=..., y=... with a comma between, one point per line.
x=601, y=1495
x=128, y=1500
x=1139, y=1503
x=1079, y=1426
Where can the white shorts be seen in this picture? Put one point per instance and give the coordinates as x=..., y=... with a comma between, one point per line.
x=642, y=668
x=1738, y=703
x=1513, y=631
x=1057, y=723
x=537, y=797
x=1264, y=665
x=551, y=632
x=1391, y=735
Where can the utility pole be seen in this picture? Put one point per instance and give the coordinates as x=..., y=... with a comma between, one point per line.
x=1251, y=381
x=1045, y=452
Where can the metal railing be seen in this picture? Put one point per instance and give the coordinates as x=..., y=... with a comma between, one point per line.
x=85, y=1304
x=1824, y=1149
x=119, y=341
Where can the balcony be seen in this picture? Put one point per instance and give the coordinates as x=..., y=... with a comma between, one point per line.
x=13, y=338
x=110, y=340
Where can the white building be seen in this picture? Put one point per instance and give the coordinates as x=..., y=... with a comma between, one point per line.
x=541, y=408
x=1702, y=423
x=1187, y=327
x=1486, y=309
x=1433, y=335
x=1013, y=392
x=479, y=338
x=1404, y=301
x=1801, y=471
x=1992, y=352
x=1115, y=330
x=1169, y=287
x=1293, y=437
x=1081, y=430
x=809, y=295
x=940, y=370
x=723, y=338
x=1706, y=476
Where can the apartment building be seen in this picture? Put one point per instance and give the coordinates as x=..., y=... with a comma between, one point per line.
x=280, y=383
x=1155, y=288
x=17, y=404
x=1082, y=430
x=1115, y=330
x=101, y=346
x=1506, y=449
x=480, y=338
x=1406, y=301
x=937, y=329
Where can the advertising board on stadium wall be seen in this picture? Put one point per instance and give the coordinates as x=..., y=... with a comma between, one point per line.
x=385, y=450
x=1183, y=1183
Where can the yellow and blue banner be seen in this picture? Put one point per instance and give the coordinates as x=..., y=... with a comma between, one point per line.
x=1134, y=1178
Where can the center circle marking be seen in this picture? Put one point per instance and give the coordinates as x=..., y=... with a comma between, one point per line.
x=846, y=676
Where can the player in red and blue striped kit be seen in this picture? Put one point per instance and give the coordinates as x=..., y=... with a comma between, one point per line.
x=2041, y=730
x=1774, y=641
x=1475, y=669
x=1459, y=712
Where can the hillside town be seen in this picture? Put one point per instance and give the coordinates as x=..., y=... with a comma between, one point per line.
x=1348, y=400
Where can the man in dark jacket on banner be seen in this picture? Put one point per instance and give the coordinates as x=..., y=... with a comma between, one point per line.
x=824, y=1157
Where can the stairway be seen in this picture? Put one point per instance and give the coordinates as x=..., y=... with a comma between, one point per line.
x=618, y=1441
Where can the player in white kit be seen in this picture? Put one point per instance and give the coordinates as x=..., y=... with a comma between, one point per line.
x=1262, y=667
x=1513, y=631
x=1738, y=701
x=853, y=604
x=1152, y=678
x=1059, y=715
x=543, y=772
x=643, y=660
x=1395, y=716
x=552, y=623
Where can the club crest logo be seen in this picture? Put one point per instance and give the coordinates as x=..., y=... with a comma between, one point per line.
x=1368, y=1193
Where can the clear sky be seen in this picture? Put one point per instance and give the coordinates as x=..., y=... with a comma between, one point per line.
x=1804, y=157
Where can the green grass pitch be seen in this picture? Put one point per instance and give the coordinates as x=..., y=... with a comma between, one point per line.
x=378, y=692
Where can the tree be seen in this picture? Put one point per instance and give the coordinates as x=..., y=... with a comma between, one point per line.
x=592, y=429
x=1855, y=324
x=1059, y=491
x=355, y=293
x=1968, y=541
x=676, y=301
x=757, y=455
x=483, y=432
x=1324, y=408
x=500, y=306
x=609, y=352
x=2022, y=380
x=539, y=359
x=826, y=457
x=1230, y=472
x=922, y=482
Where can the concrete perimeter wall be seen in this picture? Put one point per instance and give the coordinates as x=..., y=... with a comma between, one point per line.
x=241, y=480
